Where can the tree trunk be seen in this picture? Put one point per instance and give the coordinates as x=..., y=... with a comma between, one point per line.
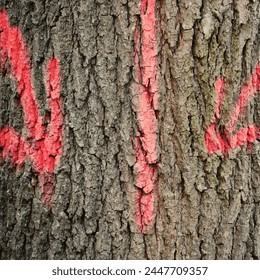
x=129, y=129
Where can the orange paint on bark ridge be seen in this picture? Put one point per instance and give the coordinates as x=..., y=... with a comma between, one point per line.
x=44, y=144
x=146, y=66
x=225, y=141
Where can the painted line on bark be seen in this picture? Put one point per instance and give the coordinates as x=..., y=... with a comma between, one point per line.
x=43, y=145
x=225, y=141
x=146, y=154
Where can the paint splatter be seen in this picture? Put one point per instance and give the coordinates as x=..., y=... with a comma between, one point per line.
x=42, y=145
x=146, y=66
x=226, y=140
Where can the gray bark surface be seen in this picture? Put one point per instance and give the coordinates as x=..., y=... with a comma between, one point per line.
x=208, y=206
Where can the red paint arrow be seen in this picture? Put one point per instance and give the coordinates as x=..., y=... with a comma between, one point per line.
x=43, y=145
x=225, y=141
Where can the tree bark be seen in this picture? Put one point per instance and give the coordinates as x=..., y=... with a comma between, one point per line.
x=87, y=200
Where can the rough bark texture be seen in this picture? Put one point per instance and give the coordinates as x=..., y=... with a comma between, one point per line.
x=207, y=206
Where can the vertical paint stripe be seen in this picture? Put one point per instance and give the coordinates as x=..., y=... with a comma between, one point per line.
x=146, y=66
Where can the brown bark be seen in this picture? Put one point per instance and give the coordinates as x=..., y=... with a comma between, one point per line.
x=207, y=205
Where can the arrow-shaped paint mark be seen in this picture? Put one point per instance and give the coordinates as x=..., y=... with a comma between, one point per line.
x=42, y=145
x=227, y=140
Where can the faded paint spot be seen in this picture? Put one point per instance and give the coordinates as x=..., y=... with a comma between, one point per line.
x=225, y=141
x=146, y=66
x=43, y=145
